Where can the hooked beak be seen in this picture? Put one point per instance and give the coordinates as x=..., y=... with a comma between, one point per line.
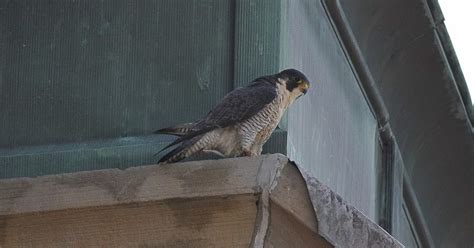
x=304, y=87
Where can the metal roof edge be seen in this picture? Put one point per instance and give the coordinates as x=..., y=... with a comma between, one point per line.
x=439, y=27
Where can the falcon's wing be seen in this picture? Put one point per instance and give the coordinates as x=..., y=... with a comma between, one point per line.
x=237, y=106
x=240, y=104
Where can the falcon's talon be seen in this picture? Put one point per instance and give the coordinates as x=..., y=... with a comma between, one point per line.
x=246, y=154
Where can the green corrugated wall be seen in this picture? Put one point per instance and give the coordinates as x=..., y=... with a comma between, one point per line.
x=83, y=84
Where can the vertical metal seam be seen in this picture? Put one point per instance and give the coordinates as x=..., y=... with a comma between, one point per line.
x=233, y=52
x=374, y=100
x=414, y=211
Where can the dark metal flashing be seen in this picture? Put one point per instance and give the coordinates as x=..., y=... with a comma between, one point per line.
x=436, y=13
x=414, y=210
x=356, y=60
x=456, y=71
x=387, y=182
x=439, y=27
x=374, y=100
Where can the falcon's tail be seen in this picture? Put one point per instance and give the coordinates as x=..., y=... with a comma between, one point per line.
x=190, y=141
x=184, y=150
x=178, y=130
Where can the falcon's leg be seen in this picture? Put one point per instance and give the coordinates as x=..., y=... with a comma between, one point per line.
x=256, y=148
x=247, y=146
x=252, y=140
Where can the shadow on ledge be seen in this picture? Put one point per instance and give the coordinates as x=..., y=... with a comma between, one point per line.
x=241, y=202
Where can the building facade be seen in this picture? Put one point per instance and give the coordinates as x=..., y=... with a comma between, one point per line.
x=387, y=123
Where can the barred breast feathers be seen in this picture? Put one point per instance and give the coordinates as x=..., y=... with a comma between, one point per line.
x=263, y=123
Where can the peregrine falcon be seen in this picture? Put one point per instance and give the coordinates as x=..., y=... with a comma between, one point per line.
x=242, y=122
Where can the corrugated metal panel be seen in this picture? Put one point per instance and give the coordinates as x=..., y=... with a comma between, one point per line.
x=114, y=153
x=83, y=82
x=83, y=70
x=257, y=32
x=54, y=159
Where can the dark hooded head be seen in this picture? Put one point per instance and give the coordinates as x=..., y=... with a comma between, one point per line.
x=295, y=80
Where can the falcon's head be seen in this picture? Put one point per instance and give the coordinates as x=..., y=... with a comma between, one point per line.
x=296, y=82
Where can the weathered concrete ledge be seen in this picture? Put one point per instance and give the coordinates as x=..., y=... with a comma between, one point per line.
x=240, y=202
x=341, y=223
